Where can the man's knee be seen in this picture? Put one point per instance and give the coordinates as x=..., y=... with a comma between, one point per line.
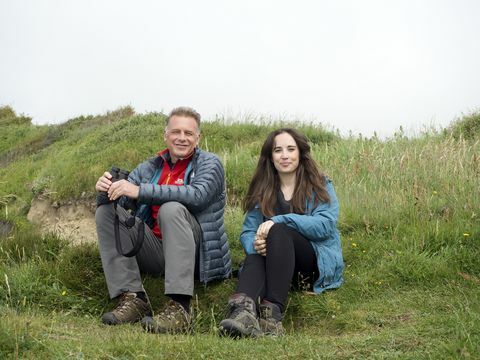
x=104, y=213
x=170, y=211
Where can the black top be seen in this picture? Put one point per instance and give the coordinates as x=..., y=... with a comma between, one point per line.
x=283, y=206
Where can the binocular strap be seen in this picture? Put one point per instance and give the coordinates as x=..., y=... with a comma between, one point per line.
x=136, y=245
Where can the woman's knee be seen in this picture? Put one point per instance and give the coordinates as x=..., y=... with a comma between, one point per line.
x=279, y=238
x=278, y=228
x=277, y=231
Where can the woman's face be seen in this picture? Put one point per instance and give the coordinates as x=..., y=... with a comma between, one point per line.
x=285, y=154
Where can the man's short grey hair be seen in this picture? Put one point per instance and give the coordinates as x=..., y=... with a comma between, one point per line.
x=184, y=111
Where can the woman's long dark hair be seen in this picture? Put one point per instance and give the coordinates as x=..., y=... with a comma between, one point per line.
x=265, y=183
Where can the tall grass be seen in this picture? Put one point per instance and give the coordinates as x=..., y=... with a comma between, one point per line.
x=410, y=234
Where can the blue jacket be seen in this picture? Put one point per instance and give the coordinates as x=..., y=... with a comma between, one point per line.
x=203, y=195
x=319, y=225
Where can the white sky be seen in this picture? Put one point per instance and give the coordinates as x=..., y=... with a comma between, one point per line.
x=355, y=65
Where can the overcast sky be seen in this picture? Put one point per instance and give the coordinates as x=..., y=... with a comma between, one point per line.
x=360, y=66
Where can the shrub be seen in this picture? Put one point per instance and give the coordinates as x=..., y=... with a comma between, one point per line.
x=7, y=112
x=9, y=117
x=467, y=127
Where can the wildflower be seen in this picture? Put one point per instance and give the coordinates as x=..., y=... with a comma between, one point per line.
x=64, y=292
x=354, y=244
x=466, y=234
x=434, y=192
x=364, y=251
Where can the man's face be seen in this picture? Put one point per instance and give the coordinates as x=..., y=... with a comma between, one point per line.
x=181, y=136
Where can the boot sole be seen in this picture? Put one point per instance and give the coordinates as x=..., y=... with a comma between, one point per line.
x=228, y=328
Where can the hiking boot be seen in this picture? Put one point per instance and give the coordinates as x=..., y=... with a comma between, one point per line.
x=271, y=319
x=173, y=319
x=242, y=318
x=130, y=309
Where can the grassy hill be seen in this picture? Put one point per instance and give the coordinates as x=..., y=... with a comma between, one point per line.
x=410, y=224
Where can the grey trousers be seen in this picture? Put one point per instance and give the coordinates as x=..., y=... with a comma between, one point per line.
x=174, y=256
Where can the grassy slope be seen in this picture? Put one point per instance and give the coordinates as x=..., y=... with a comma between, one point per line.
x=410, y=234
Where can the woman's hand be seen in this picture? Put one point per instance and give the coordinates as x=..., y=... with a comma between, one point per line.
x=260, y=246
x=264, y=228
x=260, y=243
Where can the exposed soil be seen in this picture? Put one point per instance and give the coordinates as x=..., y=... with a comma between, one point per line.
x=74, y=221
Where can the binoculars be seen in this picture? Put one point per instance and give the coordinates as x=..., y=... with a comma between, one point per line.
x=118, y=174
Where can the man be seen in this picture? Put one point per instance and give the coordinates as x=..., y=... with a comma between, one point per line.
x=180, y=196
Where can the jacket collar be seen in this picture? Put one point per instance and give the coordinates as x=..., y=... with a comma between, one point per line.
x=164, y=156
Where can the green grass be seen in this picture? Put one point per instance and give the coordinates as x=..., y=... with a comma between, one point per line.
x=410, y=224
x=410, y=323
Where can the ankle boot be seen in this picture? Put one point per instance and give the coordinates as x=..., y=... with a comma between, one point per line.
x=271, y=319
x=242, y=317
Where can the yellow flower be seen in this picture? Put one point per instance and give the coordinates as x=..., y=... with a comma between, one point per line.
x=434, y=192
x=354, y=244
x=64, y=292
x=466, y=234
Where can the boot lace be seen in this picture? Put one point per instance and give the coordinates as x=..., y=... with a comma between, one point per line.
x=170, y=311
x=235, y=310
x=125, y=301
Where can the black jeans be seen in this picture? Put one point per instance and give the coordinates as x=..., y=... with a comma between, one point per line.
x=269, y=277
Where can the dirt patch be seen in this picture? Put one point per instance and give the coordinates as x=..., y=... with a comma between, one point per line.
x=74, y=221
x=469, y=277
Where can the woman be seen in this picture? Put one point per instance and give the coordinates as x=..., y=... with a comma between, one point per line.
x=289, y=229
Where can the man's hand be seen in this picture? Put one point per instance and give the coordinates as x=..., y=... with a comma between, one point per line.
x=123, y=187
x=103, y=183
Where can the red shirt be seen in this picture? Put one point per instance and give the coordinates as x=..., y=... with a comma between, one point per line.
x=169, y=176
